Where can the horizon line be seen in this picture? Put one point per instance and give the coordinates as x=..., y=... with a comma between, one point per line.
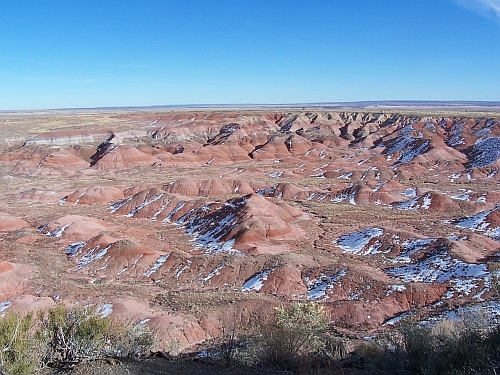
x=352, y=104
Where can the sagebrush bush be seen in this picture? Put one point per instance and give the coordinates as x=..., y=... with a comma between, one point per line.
x=128, y=339
x=18, y=354
x=62, y=338
x=296, y=336
x=71, y=336
x=448, y=348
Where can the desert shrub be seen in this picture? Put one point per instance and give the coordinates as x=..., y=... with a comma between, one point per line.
x=448, y=348
x=128, y=339
x=18, y=354
x=73, y=336
x=62, y=338
x=296, y=336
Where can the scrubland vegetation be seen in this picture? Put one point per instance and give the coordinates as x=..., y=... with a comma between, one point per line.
x=63, y=338
x=298, y=341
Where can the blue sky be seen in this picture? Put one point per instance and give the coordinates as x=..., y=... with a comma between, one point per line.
x=60, y=54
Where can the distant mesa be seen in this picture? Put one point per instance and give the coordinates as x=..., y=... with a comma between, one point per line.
x=69, y=138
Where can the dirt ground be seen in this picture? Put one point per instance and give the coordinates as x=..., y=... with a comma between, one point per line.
x=157, y=366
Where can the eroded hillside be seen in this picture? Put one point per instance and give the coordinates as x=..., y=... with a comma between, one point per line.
x=190, y=221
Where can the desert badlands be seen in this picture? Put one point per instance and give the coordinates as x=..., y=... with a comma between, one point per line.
x=194, y=220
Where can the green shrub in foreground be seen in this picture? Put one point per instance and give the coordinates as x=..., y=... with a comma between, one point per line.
x=296, y=337
x=17, y=354
x=62, y=338
x=412, y=349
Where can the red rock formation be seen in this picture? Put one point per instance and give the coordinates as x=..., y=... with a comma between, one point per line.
x=10, y=223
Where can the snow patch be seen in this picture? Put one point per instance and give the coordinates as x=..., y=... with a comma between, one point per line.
x=91, y=255
x=318, y=288
x=159, y=262
x=256, y=282
x=58, y=232
x=356, y=242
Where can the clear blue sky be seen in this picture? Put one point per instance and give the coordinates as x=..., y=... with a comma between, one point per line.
x=87, y=53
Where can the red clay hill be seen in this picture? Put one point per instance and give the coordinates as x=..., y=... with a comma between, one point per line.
x=198, y=220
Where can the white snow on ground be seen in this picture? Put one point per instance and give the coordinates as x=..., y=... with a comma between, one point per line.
x=319, y=175
x=275, y=174
x=173, y=212
x=144, y=204
x=488, y=312
x=91, y=255
x=345, y=195
x=395, y=288
x=379, y=186
x=397, y=319
x=311, y=196
x=454, y=177
x=485, y=152
x=256, y=282
x=412, y=151
x=352, y=197
x=355, y=296
x=74, y=248
x=116, y=206
x=267, y=191
x=437, y=268
x=478, y=223
x=318, y=288
x=423, y=201
x=4, y=306
x=159, y=262
x=208, y=233
x=454, y=237
x=162, y=208
x=482, y=133
x=410, y=247
x=345, y=176
x=104, y=310
x=461, y=197
x=181, y=268
x=133, y=265
x=456, y=135
x=462, y=287
x=409, y=147
x=356, y=242
x=410, y=192
x=58, y=232
x=214, y=272
x=80, y=196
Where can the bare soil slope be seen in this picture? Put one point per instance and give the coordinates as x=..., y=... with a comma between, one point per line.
x=195, y=220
